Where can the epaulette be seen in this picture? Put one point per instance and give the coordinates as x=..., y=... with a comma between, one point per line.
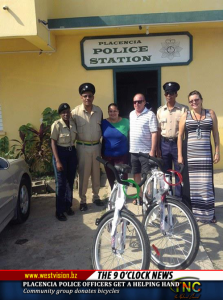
x=184, y=105
x=57, y=121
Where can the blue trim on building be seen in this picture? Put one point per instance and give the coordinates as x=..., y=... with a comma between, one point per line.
x=137, y=19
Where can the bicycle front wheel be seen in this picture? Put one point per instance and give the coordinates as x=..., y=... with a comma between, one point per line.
x=132, y=245
x=177, y=246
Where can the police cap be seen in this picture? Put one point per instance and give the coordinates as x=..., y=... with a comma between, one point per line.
x=86, y=87
x=62, y=107
x=171, y=86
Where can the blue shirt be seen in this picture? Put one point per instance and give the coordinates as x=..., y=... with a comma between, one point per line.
x=115, y=137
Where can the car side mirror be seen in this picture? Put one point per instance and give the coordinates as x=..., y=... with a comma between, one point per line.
x=4, y=164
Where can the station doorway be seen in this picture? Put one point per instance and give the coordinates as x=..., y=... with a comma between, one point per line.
x=130, y=83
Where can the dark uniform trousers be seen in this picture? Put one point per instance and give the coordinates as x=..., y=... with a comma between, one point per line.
x=65, y=179
x=170, y=155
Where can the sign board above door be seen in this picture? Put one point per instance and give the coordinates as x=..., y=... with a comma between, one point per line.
x=136, y=50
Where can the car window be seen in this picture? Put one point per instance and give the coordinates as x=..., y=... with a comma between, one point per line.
x=3, y=164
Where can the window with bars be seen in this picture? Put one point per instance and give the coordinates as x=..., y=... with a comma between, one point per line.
x=1, y=122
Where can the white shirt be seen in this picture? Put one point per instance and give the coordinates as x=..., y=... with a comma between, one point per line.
x=141, y=127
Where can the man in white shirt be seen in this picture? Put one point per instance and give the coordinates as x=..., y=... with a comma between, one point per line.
x=143, y=136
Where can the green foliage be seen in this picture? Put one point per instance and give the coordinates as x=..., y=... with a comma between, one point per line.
x=35, y=144
x=4, y=146
x=49, y=116
x=25, y=133
x=11, y=153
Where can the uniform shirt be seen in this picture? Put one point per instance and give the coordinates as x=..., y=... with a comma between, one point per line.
x=168, y=120
x=88, y=124
x=141, y=127
x=64, y=135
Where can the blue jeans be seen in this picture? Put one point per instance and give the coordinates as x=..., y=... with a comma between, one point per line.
x=170, y=156
x=65, y=179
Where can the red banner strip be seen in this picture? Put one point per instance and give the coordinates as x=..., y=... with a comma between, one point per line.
x=44, y=275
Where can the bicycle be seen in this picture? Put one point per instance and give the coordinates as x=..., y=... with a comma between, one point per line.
x=172, y=229
x=121, y=241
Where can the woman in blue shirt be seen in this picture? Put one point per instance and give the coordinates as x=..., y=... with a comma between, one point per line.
x=115, y=143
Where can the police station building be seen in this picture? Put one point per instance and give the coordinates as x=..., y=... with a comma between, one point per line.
x=48, y=48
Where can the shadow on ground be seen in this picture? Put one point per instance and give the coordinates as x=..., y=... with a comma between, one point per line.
x=43, y=242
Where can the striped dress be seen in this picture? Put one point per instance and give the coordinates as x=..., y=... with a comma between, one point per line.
x=199, y=165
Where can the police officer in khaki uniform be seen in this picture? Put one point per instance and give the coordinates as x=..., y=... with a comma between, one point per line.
x=63, y=135
x=88, y=119
x=168, y=117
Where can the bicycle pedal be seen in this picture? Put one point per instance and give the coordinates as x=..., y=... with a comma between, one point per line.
x=97, y=221
x=149, y=200
x=114, y=250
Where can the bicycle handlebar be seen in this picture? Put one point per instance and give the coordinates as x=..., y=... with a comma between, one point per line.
x=159, y=162
x=101, y=160
x=111, y=167
x=144, y=177
x=181, y=168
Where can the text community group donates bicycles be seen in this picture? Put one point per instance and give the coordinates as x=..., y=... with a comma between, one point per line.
x=168, y=235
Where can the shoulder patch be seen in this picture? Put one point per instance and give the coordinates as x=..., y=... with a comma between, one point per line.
x=96, y=108
x=185, y=106
x=159, y=107
x=57, y=121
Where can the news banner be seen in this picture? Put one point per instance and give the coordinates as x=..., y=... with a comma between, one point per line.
x=185, y=284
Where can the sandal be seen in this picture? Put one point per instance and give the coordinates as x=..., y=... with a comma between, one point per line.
x=203, y=222
x=214, y=220
x=135, y=201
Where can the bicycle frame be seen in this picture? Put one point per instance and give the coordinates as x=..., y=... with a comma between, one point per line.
x=160, y=189
x=116, y=201
x=116, y=193
x=174, y=242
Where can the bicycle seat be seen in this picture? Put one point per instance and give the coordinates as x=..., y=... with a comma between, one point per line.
x=122, y=168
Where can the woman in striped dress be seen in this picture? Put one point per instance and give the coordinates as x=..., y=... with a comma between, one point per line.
x=196, y=153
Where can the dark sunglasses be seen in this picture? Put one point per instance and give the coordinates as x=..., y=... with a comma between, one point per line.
x=138, y=101
x=194, y=100
x=169, y=93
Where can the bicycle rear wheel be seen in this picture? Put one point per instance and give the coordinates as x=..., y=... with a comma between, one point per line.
x=177, y=247
x=135, y=255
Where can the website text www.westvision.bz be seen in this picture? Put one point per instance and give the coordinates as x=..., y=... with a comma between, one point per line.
x=52, y=275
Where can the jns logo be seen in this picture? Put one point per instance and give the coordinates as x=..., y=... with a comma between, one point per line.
x=186, y=287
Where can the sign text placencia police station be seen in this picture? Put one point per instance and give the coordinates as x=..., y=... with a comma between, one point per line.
x=110, y=52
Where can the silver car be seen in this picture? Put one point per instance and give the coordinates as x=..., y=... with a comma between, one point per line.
x=15, y=191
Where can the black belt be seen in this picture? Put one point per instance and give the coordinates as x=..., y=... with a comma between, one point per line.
x=165, y=139
x=66, y=148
